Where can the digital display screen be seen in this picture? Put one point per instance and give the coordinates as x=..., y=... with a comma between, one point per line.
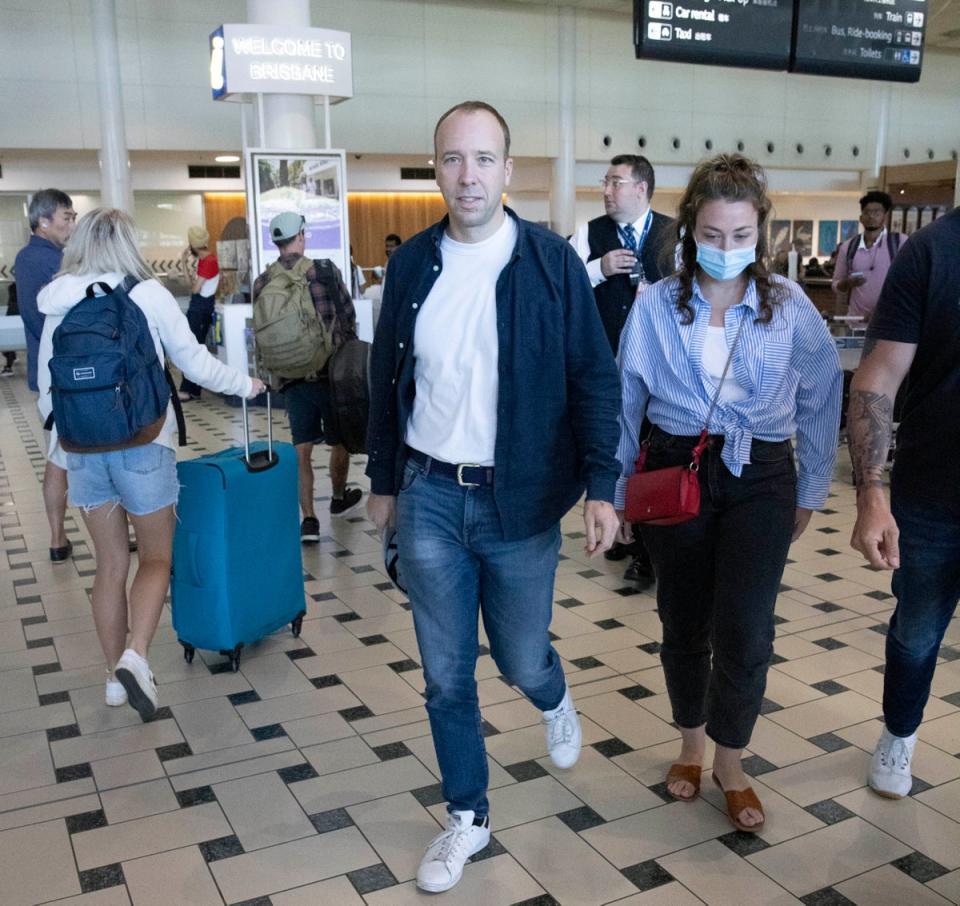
x=864, y=39
x=751, y=33
x=861, y=39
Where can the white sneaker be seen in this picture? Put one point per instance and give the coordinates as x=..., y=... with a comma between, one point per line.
x=562, y=728
x=890, y=767
x=116, y=694
x=442, y=864
x=133, y=672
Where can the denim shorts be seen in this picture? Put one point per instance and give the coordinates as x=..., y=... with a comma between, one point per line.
x=310, y=411
x=141, y=479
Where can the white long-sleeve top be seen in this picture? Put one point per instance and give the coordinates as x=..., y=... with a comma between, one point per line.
x=171, y=336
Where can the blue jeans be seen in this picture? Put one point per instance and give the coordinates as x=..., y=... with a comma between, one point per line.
x=927, y=588
x=456, y=565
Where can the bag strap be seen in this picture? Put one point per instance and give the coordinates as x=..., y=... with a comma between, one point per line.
x=701, y=443
x=177, y=407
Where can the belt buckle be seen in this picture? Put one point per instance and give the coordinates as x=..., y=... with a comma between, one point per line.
x=460, y=468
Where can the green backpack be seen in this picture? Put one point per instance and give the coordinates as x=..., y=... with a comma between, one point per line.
x=291, y=339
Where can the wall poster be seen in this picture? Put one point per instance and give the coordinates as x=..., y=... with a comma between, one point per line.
x=311, y=183
x=829, y=233
x=779, y=235
x=848, y=229
x=803, y=232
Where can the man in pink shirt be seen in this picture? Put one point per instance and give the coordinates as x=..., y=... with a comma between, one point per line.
x=863, y=260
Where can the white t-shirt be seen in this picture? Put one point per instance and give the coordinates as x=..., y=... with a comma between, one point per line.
x=454, y=416
x=715, y=353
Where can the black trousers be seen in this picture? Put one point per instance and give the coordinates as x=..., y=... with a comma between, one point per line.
x=717, y=582
x=199, y=317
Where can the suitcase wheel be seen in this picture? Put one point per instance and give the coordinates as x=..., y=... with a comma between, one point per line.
x=188, y=652
x=297, y=624
x=234, y=656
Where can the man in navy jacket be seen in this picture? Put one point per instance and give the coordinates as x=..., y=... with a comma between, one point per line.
x=52, y=218
x=494, y=402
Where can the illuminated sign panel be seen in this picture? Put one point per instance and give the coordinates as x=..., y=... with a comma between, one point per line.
x=725, y=32
x=275, y=59
x=863, y=39
x=866, y=39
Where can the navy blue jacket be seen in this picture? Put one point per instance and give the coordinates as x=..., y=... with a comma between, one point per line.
x=559, y=392
x=33, y=269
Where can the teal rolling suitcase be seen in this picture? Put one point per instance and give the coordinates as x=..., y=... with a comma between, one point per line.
x=237, y=570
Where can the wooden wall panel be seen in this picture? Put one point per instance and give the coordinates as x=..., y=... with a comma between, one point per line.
x=375, y=214
x=219, y=208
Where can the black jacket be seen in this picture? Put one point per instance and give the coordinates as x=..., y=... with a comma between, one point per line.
x=615, y=295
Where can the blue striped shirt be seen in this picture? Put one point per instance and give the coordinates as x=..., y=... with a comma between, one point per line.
x=789, y=368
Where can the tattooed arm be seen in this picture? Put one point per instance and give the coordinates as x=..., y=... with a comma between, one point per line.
x=870, y=422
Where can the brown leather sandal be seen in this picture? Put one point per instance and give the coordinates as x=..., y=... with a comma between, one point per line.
x=737, y=801
x=687, y=773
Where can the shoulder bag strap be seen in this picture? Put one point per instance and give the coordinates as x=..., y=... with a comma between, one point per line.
x=705, y=433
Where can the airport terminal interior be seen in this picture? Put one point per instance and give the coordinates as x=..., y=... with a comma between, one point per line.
x=308, y=775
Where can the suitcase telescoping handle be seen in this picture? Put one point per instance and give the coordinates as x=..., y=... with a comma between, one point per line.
x=261, y=459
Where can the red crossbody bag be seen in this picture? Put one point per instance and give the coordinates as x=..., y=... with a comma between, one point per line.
x=672, y=495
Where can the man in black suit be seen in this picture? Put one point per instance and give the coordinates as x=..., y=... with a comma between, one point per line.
x=623, y=251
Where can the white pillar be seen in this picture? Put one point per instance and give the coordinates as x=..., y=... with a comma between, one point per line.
x=288, y=119
x=114, y=163
x=883, y=126
x=563, y=191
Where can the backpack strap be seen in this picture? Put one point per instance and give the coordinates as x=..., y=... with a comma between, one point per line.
x=852, y=245
x=893, y=243
x=177, y=407
x=127, y=284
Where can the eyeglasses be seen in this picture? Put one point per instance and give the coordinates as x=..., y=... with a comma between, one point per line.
x=615, y=182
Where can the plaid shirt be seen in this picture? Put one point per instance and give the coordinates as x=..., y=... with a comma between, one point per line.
x=344, y=328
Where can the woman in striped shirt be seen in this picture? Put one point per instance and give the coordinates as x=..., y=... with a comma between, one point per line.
x=718, y=575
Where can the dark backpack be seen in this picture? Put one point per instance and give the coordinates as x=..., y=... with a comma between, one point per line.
x=109, y=388
x=893, y=246
x=350, y=394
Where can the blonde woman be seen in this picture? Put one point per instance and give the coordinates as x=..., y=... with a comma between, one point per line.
x=139, y=483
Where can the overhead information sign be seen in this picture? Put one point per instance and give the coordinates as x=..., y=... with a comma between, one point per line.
x=865, y=39
x=276, y=59
x=861, y=39
x=753, y=33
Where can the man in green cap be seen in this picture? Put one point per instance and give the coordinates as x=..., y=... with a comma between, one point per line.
x=307, y=396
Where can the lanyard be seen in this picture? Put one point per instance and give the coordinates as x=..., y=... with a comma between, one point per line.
x=643, y=233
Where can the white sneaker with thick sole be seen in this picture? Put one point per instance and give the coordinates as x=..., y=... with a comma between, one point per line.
x=116, y=695
x=133, y=672
x=562, y=729
x=442, y=865
x=890, y=767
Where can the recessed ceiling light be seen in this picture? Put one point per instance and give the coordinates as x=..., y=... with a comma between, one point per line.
x=227, y=158
x=430, y=161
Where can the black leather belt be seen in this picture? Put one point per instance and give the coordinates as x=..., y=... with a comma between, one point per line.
x=466, y=474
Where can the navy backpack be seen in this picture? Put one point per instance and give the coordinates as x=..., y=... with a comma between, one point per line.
x=110, y=390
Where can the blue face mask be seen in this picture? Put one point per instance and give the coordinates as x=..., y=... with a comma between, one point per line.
x=723, y=265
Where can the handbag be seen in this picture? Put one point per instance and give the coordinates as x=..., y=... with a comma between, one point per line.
x=672, y=495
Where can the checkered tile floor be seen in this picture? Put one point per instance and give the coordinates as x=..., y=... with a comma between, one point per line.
x=309, y=776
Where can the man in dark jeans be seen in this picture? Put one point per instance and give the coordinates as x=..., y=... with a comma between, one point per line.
x=493, y=406
x=307, y=400
x=915, y=329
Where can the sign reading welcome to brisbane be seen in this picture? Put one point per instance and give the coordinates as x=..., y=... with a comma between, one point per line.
x=276, y=59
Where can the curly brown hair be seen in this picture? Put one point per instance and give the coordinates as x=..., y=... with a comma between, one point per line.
x=730, y=177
